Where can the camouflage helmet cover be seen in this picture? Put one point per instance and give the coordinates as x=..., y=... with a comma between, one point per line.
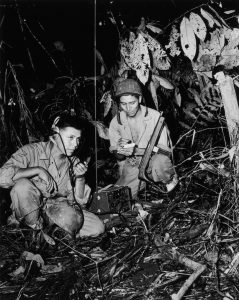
x=128, y=86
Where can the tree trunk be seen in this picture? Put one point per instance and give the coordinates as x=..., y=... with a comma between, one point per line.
x=231, y=108
x=230, y=104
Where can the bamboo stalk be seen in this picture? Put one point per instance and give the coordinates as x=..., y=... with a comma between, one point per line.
x=188, y=283
x=198, y=270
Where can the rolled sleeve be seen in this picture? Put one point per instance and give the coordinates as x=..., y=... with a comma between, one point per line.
x=84, y=200
x=164, y=140
x=6, y=176
x=114, y=135
x=18, y=160
x=86, y=196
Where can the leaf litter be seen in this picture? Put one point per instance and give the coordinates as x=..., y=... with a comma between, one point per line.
x=186, y=246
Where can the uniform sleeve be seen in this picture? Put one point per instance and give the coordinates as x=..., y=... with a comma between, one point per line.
x=114, y=135
x=86, y=197
x=18, y=160
x=164, y=140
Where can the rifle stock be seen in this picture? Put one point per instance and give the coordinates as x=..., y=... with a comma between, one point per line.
x=149, y=149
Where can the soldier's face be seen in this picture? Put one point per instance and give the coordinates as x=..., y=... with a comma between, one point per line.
x=130, y=104
x=70, y=137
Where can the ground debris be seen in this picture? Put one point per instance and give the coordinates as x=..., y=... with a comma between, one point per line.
x=183, y=248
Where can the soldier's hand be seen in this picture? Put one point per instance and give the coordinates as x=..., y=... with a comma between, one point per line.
x=80, y=169
x=122, y=142
x=45, y=176
x=125, y=151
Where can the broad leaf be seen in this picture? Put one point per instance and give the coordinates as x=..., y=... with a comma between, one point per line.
x=228, y=12
x=221, y=20
x=136, y=56
x=123, y=68
x=48, y=239
x=154, y=28
x=198, y=26
x=30, y=256
x=207, y=16
x=160, y=57
x=173, y=40
x=178, y=97
x=107, y=100
x=102, y=130
x=196, y=97
x=187, y=38
x=230, y=55
x=163, y=82
x=154, y=94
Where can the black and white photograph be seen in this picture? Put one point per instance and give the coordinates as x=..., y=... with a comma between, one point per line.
x=119, y=149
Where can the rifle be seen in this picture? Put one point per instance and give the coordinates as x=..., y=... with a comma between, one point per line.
x=150, y=149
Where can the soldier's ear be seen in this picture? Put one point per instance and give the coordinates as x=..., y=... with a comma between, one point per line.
x=140, y=99
x=56, y=129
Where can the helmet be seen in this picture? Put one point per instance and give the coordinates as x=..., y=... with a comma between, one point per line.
x=128, y=86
